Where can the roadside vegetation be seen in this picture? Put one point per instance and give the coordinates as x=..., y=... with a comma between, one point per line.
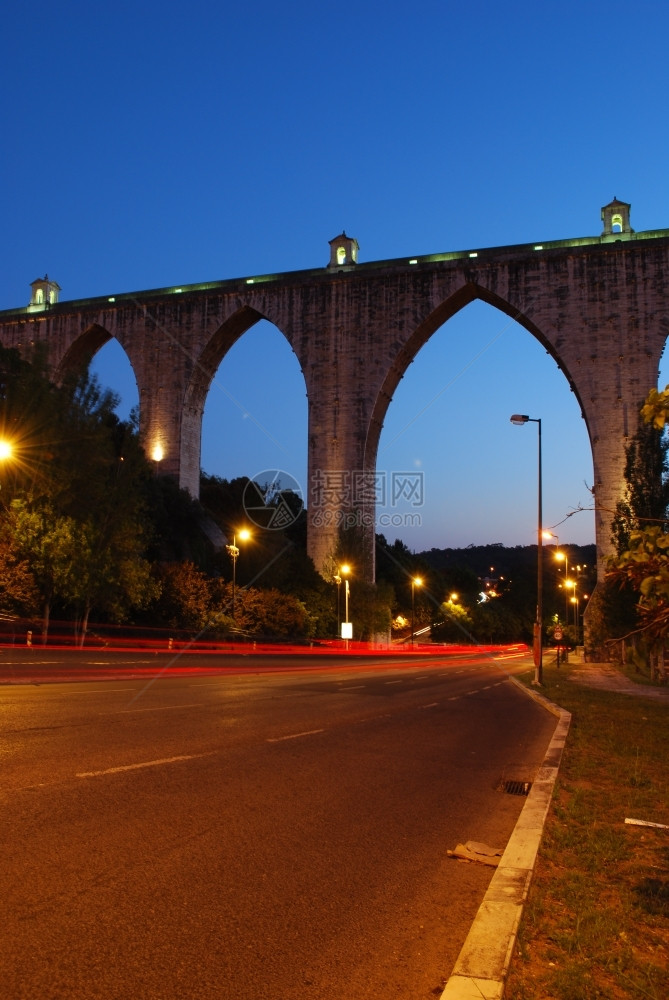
x=597, y=920
x=629, y=621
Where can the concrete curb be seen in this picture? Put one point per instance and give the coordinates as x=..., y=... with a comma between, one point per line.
x=483, y=963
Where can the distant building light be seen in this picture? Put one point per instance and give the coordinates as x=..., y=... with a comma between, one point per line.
x=249, y=281
x=473, y=254
x=158, y=453
x=414, y=261
x=178, y=290
x=539, y=246
x=112, y=298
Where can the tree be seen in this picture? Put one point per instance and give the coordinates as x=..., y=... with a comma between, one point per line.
x=271, y=613
x=175, y=520
x=186, y=599
x=495, y=621
x=452, y=623
x=640, y=570
x=110, y=573
x=76, y=492
x=397, y=566
x=646, y=494
x=370, y=609
x=18, y=590
x=43, y=540
x=645, y=567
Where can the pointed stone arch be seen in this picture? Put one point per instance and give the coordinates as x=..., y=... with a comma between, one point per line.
x=204, y=370
x=424, y=331
x=80, y=352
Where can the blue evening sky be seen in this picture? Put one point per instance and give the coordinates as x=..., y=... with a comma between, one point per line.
x=151, y=144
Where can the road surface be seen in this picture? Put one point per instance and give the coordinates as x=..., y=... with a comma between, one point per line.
x=256, y=833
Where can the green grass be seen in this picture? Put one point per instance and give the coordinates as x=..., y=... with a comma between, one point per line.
x=596, y=924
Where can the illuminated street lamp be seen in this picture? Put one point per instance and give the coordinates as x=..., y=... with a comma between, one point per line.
x=522, y=418
x=6, y=451
x=233, y=552
x=562, y=557
x=567, y=584
x=559, y=557
x=574, y=601
x=416, y=581
x=573, y=584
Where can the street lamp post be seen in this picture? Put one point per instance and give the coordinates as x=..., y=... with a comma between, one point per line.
x=416, y=581
x=233, y=552
x=337, y=580
x=346, y=631
x=522, y=418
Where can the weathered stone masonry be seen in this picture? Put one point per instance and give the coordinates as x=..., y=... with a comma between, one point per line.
x=599, y=305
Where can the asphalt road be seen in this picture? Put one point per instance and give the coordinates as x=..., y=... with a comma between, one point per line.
x=253, y=834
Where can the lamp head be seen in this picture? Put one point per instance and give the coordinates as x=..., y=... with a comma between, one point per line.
x=519, y=418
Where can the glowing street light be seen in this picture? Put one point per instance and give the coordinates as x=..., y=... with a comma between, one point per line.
x=518, y=419
x=560, y=557
x=233, y=552
x=416, y=581
x=6, y=451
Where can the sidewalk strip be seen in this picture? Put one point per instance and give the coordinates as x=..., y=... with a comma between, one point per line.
x=483, y=963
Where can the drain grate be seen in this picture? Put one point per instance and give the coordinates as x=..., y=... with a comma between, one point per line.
x=516, y=787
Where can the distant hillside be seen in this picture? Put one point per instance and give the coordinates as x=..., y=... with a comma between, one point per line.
x=502, y=561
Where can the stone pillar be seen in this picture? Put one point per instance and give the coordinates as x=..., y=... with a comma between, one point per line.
x=340, y=489
x=340, y=493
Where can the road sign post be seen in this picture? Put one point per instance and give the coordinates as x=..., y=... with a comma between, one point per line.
x=557, y=635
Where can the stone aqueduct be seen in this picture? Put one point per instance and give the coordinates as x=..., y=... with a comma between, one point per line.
x=599, y=305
